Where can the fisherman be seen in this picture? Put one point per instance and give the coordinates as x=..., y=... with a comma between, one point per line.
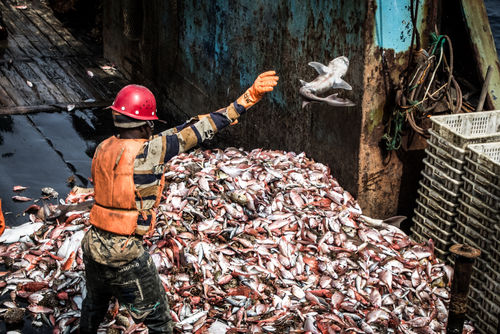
x=128, y=174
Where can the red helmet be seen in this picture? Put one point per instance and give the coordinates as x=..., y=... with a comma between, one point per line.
x=136, y=101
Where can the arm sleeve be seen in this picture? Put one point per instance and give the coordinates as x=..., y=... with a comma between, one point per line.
x=195, y=131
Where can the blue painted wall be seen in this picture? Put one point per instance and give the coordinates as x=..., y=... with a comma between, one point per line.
x=393, y=26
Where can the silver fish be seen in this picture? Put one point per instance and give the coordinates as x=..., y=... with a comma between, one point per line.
x=329, y=77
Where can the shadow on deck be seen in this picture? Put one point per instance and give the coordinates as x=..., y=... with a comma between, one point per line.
x=44, y=68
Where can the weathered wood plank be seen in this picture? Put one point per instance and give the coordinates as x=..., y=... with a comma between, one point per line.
x=46, y=14
x=42, y=88
x=57, y=106
x=50, y=34
x=5, y=99
x=29, y=31
x=79, y=73
x=13, y=84
x=71, y=88
x=17, y=42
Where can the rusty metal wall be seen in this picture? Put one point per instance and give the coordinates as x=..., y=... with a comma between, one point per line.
x=201, y=55
x=198, y=56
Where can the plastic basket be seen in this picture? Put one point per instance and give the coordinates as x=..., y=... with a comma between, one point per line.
x=487, y=156
x=481, y=194
x=433, y=210
x=455, y=151
x=478, y=215
x=483, y=325
x=481, y=181
x=488, y=320
x=441, y=189
x=467, y=222
x=495, y=256
x=433, y=228
x=444, y=155
x=459, y=238
x=427, y=195
x=427, y=233
x=492, y=280
x=468, y=128
x=437, y=174
x=434, y=217
x=454, y=173
x=479, y=205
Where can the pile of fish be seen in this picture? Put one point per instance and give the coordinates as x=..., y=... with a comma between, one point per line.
x=260, y=241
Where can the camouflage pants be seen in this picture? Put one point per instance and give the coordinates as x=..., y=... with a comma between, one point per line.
x=136, y=285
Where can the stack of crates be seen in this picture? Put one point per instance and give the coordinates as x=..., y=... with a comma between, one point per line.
x=438, y=193
x=453, y=206
x=437, y=202
x=478, y=222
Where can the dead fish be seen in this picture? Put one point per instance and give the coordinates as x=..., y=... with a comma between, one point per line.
x=19, y=188
x=329, y=77
x=21, y=198
x=50, y=192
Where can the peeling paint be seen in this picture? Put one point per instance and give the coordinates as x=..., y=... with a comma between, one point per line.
x=375, y=117
x=393, y=27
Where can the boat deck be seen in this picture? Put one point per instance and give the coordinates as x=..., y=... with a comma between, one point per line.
x=44, y=67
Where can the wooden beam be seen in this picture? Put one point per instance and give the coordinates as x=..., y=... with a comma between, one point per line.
x=21, y=110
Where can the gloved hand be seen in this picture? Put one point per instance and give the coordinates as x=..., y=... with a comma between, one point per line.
x=264, y=83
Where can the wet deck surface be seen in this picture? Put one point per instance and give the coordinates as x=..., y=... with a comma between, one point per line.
x=44, y=68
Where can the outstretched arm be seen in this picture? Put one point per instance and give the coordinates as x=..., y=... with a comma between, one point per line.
x=204, y=127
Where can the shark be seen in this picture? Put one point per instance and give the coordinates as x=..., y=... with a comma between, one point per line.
x=329, y=77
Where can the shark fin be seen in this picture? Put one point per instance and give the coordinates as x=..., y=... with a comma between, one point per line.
x=305, y=103
x=302, y=82
x=320, y=68
x=395, y=221
x=341, y=84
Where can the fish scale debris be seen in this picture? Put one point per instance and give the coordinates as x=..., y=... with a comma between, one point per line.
x=260, y=241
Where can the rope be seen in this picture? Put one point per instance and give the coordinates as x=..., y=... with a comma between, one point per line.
x=431, y=86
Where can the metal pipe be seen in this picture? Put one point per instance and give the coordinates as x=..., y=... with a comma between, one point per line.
x=464, y=260
x=484, y=90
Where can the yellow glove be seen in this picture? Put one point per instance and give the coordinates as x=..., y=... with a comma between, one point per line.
x=264, y=83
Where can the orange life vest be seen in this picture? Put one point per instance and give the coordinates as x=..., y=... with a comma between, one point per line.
x=115, y=208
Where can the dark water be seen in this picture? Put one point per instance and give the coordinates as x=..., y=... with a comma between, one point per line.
x=45, y=150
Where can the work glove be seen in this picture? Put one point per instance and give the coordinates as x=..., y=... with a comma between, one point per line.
x=264, y=83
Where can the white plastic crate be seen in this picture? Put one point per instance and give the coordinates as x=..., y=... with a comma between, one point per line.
x=454, y=173
x=447, y=194
x=444, y=155
x=431, y=197
x=487, y=210
x=487, y=156
x=481, y=194
x=453, y=150
x=427, y=233
x=481, y=181
x=442, y=177
x=434, y=217
x=468, y=128
x=424, y=221
x=477, y=215
x=473, y=234
x=473, y=223
x=459, y=238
